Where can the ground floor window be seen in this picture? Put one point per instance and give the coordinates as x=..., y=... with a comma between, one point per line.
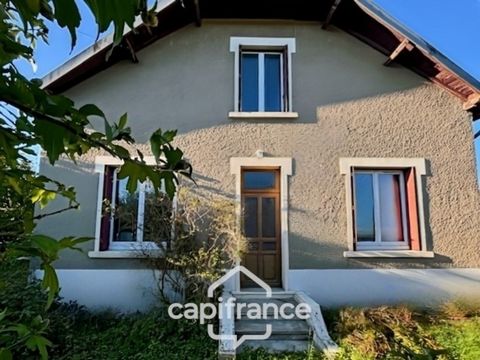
x=131, y=221
x=384, y=204
x=380, y=209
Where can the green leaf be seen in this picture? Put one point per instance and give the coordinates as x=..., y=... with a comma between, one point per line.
x=67, y=15
x=91, y=110
x=118, y=12
x=42, y=196
x=123, y=121
x=47, y=245
x=50, y=283
x=71, y=242
x=40, y=343
x=108, y=130
x=52, y=138
x=159, y=139
x=173, y=157
x=34, y=6
x=3, y=314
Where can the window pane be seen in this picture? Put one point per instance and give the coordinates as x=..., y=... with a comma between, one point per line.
x=258, y=179
x=273, y=87
x=126, y=213
x=249, y=82
x=268, y=217
x=390, y=207
x=364, y=207
x=250, y=217
x=157, y=217
x=269, y=245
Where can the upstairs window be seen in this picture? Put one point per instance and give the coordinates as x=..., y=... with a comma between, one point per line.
x=263, y=74
x=262, y=81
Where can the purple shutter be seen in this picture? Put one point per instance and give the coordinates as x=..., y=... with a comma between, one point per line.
x=107, y=195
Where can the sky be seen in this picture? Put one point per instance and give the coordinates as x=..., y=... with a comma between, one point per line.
x=451, y=26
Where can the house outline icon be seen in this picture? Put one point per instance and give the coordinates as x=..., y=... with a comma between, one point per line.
x=233, y=338
x=232, y=272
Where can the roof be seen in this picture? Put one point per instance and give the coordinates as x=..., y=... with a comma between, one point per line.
x=361, y=18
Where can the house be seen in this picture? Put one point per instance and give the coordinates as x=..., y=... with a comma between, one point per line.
x=346, y=137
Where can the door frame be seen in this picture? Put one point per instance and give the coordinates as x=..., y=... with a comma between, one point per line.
x=285, y=168
x=273, y=192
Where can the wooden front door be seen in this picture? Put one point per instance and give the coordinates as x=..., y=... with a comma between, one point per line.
x=261, y=224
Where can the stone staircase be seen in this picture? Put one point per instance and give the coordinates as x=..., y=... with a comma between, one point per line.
x=292, y=334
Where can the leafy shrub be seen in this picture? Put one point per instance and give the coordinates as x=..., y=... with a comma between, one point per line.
x=206, y=240
x=138, y=336
x=22, y=311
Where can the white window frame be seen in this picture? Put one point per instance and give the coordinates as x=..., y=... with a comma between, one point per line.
x=379, y=244
x=347, y=166
x=261, y=46
x=117, y=249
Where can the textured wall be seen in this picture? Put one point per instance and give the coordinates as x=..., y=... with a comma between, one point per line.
x=349, y=106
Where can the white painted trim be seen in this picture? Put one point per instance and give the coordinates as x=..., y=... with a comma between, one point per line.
x=346, y=165
x=126, y=254
x=370, y=287
x=388, y=254
x=261, y=82
x=101, y=161
x=263, y=115
x=286, y=167
x=264, y=42
x=321, y=338
x=385, y=163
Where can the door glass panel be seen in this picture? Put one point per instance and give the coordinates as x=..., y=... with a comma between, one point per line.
x=364, y=207
x=126, y=213
x=250, y=217
x=252, y=245
x=273, y=93
x=249, y=82
x=390, y=207
x=258, y=180
x=269, y=245
x=268, y=217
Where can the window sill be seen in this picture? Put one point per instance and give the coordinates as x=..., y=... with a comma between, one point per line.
x=125, y=254
x=389, y=254
x=263, y=115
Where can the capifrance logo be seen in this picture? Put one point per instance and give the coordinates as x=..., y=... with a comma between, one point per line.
x=228, y=309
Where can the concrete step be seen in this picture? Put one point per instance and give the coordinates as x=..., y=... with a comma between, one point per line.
x=279, y=327
x=265, y=302
x=275, y=346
